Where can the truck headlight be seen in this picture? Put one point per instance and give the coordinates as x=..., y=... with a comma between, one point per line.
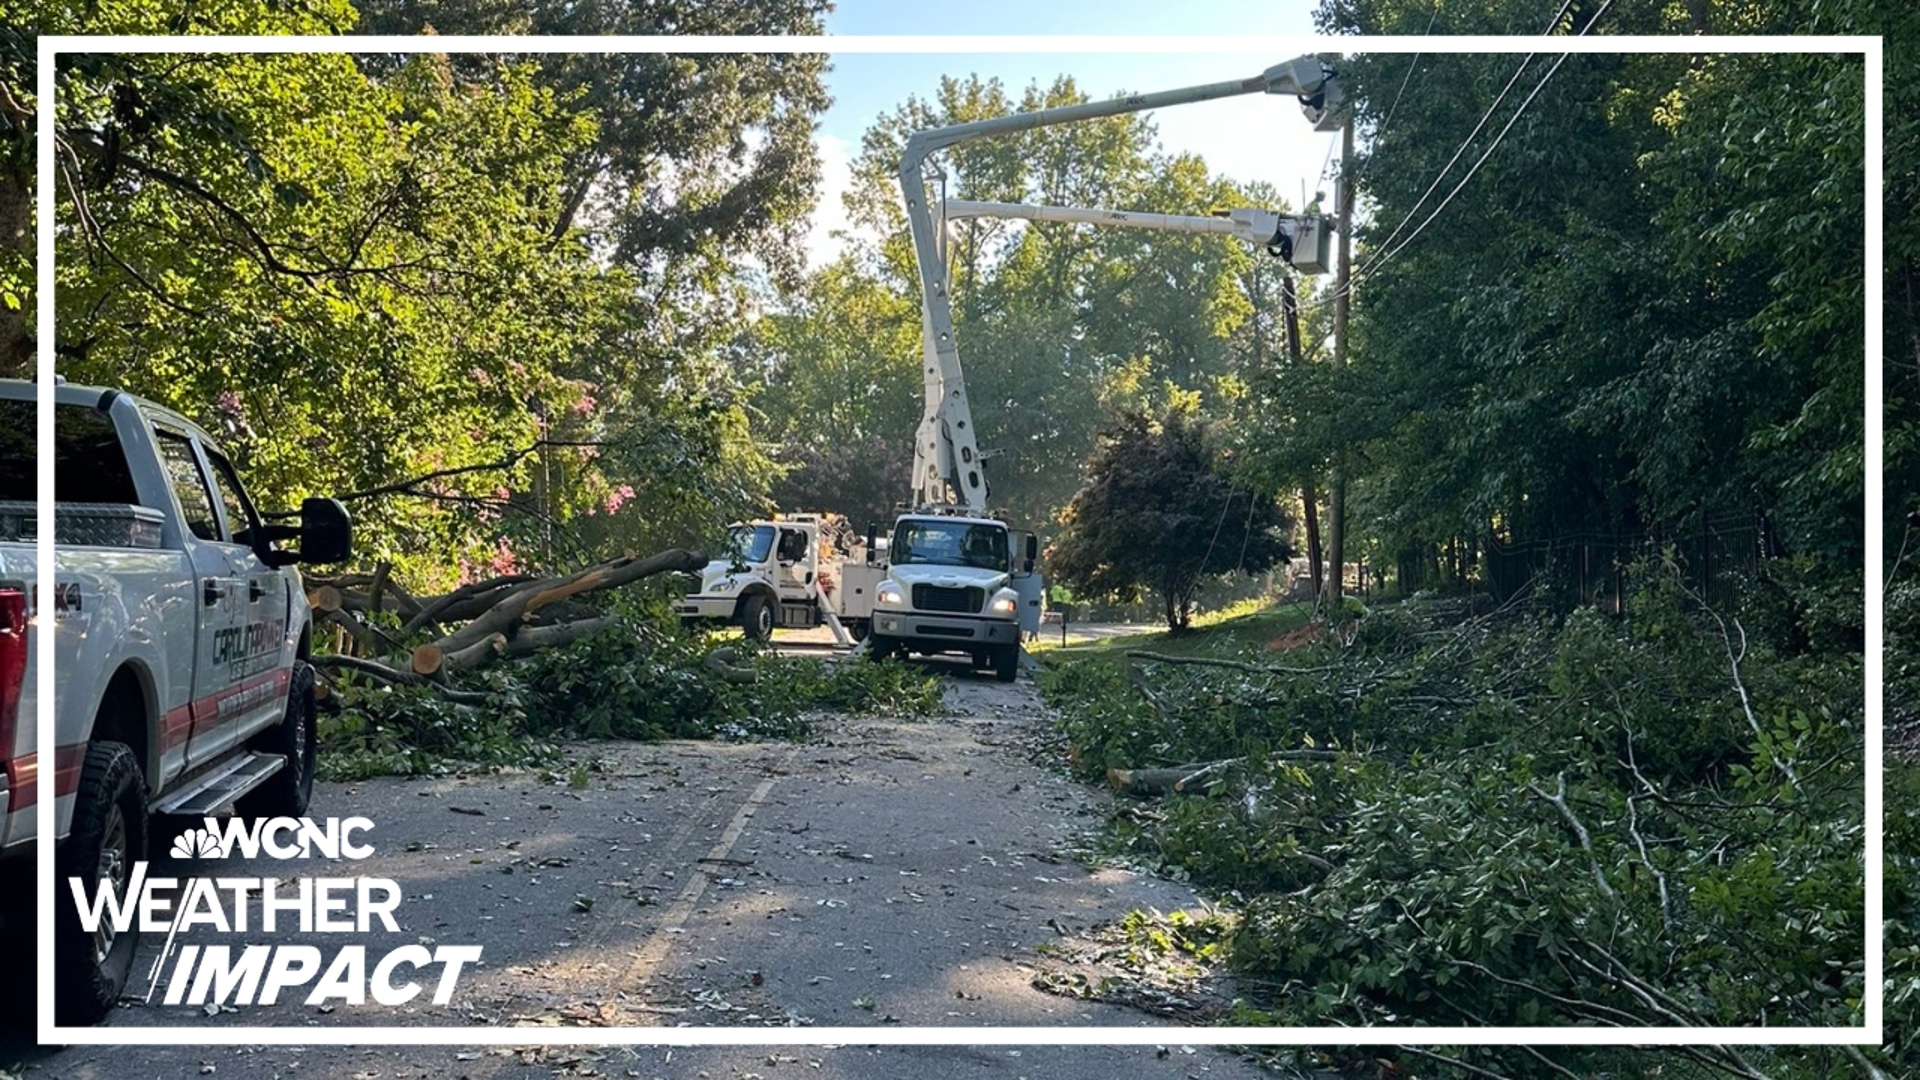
x=889, y=593
x=724, y=585
x=1005, y=605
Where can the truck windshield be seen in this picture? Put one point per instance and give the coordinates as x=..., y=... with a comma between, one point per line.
x=950, y=543
x=752, y=542
x=88, y=464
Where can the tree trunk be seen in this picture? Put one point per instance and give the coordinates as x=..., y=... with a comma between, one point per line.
x=1310, y=511
x=524, y=600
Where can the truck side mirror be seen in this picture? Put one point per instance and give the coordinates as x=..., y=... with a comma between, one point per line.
x=1033, y=549
x=873, y=545
x=326, y=531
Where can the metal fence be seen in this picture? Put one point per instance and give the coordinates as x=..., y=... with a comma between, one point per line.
x=1589, y=568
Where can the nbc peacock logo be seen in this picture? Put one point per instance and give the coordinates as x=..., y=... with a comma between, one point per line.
x=196, y=844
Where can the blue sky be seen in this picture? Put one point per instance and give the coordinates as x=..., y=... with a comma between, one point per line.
x=1257, y=137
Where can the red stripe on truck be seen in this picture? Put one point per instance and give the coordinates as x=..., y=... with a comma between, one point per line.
x=23, y=775
x=267, y=686
x=23, y=772
x=175, y=727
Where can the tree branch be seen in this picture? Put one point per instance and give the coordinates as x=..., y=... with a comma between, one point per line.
x=1559, y=800
x=380, y=671
x=404, y=487
x=263, y=248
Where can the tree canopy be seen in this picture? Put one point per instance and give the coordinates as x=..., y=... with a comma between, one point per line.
x=515, y=284
x=1159, y=511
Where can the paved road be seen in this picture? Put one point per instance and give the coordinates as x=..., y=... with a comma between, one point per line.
x=880, y=874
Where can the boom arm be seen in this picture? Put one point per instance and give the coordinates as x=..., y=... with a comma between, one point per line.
x=946, y=455
x=1299, y=239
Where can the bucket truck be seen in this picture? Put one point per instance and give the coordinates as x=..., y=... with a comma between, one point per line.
x=955, y=580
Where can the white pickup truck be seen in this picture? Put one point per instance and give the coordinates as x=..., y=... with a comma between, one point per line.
x=182, y=635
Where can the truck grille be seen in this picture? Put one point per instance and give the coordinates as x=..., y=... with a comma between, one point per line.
x=941, y=598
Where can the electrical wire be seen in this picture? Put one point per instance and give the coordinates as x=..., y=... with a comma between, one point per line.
x=1557, y=16
x=1326, y=163
x=1431, y=188
x=1389, y=253
x=1400, y=93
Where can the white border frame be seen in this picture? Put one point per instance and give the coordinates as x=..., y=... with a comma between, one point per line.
x=1869, y=1033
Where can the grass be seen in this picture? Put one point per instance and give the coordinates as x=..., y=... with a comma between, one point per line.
x=1242, y=628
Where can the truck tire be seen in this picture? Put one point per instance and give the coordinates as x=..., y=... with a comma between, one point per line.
x=109, y=835
x=756, y=617
x=287, y=792
x=1006, y=663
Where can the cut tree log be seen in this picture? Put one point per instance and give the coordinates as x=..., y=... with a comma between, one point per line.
x=404, y=601
x=722, y=660
x=1192, y=779
x=444, y=608
x=523, y=600
x=379, y=582
x=533, y=639
x=436, y=660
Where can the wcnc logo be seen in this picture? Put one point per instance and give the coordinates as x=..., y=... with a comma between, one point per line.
x=278, y=838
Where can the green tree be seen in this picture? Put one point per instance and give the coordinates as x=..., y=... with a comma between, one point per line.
x=699, y=159
x=1601, y=334
x=21, y=24
x=837, y=381
x=1161, y=513
x=357, y=278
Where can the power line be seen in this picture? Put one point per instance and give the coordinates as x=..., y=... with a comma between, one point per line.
x=1517, y=113
x=1405, y=79
x=1431, y=188
x=1557, y=16
x=1387, y=252
x=1541, y=85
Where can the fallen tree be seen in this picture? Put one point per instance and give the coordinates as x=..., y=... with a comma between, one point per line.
x=514, y=615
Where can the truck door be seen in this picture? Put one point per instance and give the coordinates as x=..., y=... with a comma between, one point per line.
x=260, y=594
x=796, y=559
x=217, y=599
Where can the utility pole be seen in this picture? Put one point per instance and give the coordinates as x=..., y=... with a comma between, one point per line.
x=1342, y=299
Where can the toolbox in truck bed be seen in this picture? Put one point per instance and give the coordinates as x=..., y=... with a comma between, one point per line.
x=121, y=525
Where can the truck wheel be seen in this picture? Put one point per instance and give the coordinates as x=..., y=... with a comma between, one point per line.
x=857, y=630
x=1006, y=663
x=109, y=835
x=287, y=792
x=756, y=617
x=881, y=648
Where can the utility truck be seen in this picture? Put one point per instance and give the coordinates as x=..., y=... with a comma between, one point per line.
x=954, y=581
x=181, y=636
x=785, y=572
